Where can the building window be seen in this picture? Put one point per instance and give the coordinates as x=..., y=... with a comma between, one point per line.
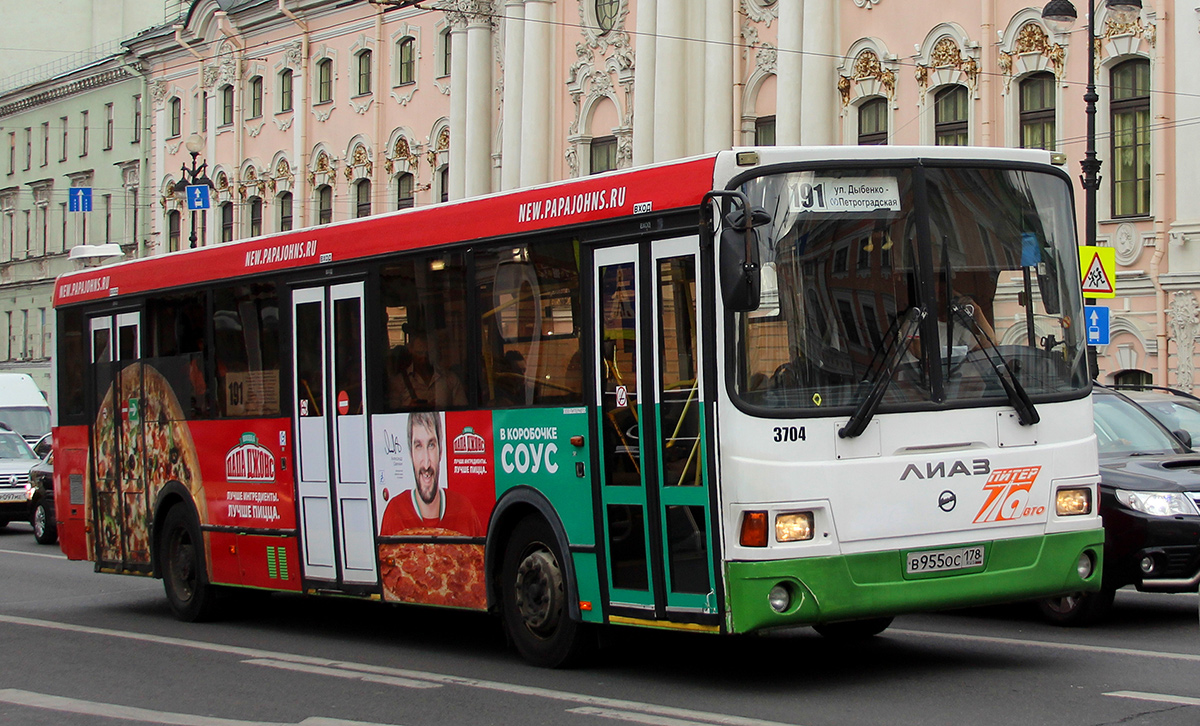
x=285, y=90
x=256, y=211
x=108, y=126
x=362, y=198
x=256, y=96
x=405, y=198
x=83, y=123
x=603, y=154
x=45, y=143
x=1130, y=111
x=606, y=14
x=137, y=118
x=1132, y=378
x=444, y=64
x=324, y=204
x=227, y=222
x=176, y=116
x=764, y=131
x=28, y=148
x=284, y=203
x=406, y=61
x=66, y=125
x=444, y=184
x=204, y=111
x=1037, y=112
x=950, y=116
x=325, y=80
x=226, y=105
x=364, y=72
x=872, y=122
x=173, y=228
x=12, y=153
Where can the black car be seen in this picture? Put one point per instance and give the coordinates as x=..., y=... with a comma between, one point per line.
x=41, y=501
x=1177, y=410
x=16, y=459
x=1150, y=504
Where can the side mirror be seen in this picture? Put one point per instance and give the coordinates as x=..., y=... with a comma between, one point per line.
x=1184, y=437
x=739, y=260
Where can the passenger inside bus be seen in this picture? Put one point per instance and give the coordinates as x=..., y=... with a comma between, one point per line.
x=418, y=381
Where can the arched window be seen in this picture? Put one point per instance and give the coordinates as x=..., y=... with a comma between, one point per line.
x=227, y=222
x=603, y=154
x=284, y=203
x=256, y=212
x=1129, y=112
x=406, y=61
x=176, y=114
x=324, y=204
x=325, y=80
x=1133, y=378
x=1037, y=112
x=405, y=197
x=364, y=72
x=950, y=116
x=226, y=105
x=872, y=122
x=764, y=131
x=362, y=198
x=446, y=48
x=173, y=230
x=285, y=90
x=606, y=14
x=256, y=97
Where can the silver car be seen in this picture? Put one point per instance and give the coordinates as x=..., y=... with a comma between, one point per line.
x=16, y=459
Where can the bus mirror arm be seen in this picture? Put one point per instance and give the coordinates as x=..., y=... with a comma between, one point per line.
x=738, y=251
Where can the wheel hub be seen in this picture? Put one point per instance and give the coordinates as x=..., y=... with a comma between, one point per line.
x=539, y=591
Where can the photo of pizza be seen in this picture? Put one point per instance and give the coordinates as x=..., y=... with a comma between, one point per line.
x=433, y=574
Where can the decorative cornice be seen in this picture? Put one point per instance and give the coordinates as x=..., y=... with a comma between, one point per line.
x=83, y=85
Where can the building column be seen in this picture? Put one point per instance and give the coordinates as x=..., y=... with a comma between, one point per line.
x=458, y=105
x=478, y=172
x=819, y=82
x=537, y=106
x=514, y=64
x=670, y=98
x=646, y=49
x=718, y=75
x=788, y=72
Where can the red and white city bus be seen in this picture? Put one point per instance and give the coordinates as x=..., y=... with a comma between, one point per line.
x=692, y=395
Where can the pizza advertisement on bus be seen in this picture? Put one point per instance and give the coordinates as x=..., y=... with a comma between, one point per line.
x=247, y=480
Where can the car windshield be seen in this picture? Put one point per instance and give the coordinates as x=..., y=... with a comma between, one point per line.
x=33, y=421
x=1124, y=429
x=986, y=257
x=12, y=446
x=1176, y=415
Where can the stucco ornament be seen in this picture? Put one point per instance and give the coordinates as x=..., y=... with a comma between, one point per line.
x=1183, y=318
x=765, y=11
x=867, y=66
x=1125, y=242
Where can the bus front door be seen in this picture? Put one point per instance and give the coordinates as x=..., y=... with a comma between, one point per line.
x=655, y=491
x=329, y=403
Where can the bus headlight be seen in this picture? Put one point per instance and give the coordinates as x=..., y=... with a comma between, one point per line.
x=1070, y=502
x=793, y=526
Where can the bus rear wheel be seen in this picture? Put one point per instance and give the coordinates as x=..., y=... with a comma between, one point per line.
x=854, y=629
x=534, y=593
x=181, y=561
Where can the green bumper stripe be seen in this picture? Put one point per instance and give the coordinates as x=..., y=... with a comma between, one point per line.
x=826, y=589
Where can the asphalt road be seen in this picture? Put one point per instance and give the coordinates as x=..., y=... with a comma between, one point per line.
x=85, y=648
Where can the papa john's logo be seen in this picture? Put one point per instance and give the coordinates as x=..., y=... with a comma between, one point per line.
x=469, y=442
x=250, y=462
x=1008, y=495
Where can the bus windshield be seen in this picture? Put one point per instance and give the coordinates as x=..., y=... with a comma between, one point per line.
x=921, y=277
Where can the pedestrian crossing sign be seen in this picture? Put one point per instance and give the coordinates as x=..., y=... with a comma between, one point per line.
x=1098, y=266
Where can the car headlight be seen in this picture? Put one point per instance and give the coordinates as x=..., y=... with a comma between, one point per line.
x=1158, y=504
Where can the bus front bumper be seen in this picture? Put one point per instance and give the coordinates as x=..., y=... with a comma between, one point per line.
x=872, y=585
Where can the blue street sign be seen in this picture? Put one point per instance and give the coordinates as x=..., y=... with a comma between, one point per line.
x=197, y=197
x=1098, y=330
x=79, y=199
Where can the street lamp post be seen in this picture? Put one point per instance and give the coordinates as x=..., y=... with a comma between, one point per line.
x=195, y=176
x=1061, y=15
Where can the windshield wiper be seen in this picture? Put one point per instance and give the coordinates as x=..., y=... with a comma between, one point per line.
x=878, y=384
x=1017, y=397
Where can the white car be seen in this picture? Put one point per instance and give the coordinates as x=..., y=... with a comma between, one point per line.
x=16, y=459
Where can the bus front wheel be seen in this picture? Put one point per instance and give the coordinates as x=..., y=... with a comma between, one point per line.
x=181, y=561
x=534, y=592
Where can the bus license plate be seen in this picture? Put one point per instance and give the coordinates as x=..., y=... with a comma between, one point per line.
x=12, y=495
x=944, y=560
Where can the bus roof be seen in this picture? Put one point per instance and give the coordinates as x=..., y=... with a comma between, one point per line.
x=657, y=188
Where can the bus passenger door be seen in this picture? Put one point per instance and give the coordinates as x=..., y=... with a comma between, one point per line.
x=654, y=491
x=331, y=434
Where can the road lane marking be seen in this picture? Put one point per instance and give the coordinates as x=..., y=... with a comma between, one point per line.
x=509, y=688
x=1159, y=697
x=633, y=717
x=35, y=554
x=342, y=673
x=1077, y=647
x=61, y=704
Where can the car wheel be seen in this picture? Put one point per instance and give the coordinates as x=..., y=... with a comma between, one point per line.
x=534, y=592
x=854, y=629
x=181, y=561
x=45, y=531
x=1077, y=608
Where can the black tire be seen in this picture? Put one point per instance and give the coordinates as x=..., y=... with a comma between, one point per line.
x=534, y=593
x=181, y=562
x=45, y=530
x=854, y=629
x=1079, y=608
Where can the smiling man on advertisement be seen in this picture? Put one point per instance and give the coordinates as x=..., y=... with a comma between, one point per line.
x=428, y=503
